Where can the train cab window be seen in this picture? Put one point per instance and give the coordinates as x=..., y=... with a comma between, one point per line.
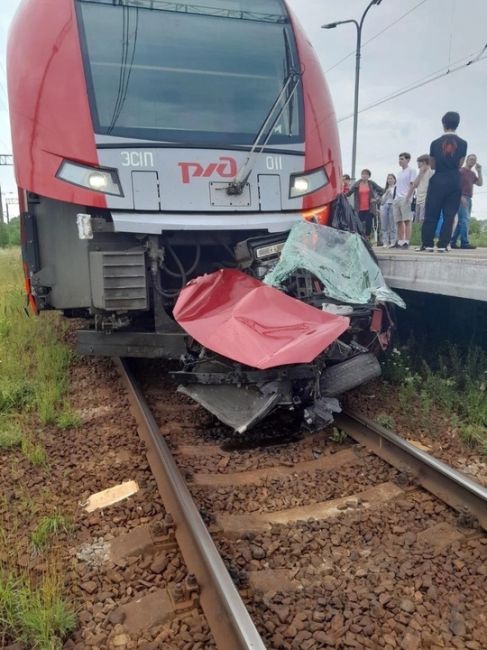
x=207, y=75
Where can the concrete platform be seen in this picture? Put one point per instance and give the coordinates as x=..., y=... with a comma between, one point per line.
x=458, y=273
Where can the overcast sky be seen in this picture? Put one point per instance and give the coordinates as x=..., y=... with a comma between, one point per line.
x=434, y=36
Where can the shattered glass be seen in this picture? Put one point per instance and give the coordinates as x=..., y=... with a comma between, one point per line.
x=339, y=259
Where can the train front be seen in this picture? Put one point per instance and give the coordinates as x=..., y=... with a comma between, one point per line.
x=156, y=143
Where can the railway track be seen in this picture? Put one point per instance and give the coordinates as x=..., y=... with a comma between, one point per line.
x=328, y=545
x=225, y=612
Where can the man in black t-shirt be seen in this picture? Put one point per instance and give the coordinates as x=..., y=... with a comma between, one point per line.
x=444, y=191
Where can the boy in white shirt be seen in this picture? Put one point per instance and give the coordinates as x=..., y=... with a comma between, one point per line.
x=401, y=206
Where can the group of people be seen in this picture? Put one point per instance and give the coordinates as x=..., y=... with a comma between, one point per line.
x=440, y=190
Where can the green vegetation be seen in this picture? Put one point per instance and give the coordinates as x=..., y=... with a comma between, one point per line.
x=455, y=382
x=33, y=451
x=68, y=419
x=338, y=436
x=477, y=234
x=34, y=364
x=34, y=615
x=47, y=528
x=34, y=360
x=10, y=433
x=386, y=421
x=10, y=233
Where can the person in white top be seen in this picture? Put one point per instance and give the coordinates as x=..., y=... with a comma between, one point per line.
x=421, y=186
x=401, y=206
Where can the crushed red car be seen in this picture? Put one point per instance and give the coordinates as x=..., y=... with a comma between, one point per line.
x=255, y=347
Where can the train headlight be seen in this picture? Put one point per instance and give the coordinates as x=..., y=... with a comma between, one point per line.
x=302, y=184
x=97, y=179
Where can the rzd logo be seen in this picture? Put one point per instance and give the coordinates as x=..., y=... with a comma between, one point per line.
x=226, y=168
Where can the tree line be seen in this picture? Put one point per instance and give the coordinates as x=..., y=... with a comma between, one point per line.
x=10, y=233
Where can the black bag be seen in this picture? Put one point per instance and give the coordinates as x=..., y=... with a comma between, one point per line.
x=344, y=217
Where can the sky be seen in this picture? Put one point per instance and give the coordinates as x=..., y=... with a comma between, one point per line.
x=410, y=40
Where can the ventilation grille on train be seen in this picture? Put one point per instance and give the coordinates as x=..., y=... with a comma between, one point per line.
x=118, y=280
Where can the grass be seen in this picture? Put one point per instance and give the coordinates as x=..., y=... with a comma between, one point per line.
x=34, y=615
x=34, y=452
x=386, y=421
x=10, y=434
x=34, y=364
x=338, y=436
x=68, y=419
x=47, y=528
x=455, y=381
x=34, y=360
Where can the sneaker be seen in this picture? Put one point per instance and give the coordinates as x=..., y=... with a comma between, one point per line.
x=454, y=245
x=427, y=249
x=440, y=249
x=405, y=245
x=392, y=245
x=468, y=247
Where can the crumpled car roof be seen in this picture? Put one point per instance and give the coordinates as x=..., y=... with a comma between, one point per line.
x=241, y=318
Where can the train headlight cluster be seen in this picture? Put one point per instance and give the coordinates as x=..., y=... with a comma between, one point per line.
x=97, y=179
x=302, y=184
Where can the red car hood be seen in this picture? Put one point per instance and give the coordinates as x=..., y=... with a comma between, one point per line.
x=245, y=320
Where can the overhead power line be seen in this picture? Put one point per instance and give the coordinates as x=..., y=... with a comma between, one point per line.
x=420, y=84
x=372, y=38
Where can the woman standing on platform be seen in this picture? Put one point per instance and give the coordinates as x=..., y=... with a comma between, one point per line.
x=388, y=224
x=366, y=194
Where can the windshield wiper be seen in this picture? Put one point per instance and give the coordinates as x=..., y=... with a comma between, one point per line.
x=289, y=66
x=291, y=82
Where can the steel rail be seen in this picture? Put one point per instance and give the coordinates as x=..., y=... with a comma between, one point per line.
x=448, y=484
x=227, y=616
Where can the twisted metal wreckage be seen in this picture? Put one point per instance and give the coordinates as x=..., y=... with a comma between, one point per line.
x=306, y=334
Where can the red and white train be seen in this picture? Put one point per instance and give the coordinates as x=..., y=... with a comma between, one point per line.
x=154, y=139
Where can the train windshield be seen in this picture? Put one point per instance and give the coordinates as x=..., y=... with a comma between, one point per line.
x=191, y=74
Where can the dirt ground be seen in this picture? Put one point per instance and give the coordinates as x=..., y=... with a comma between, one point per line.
x=434, y=430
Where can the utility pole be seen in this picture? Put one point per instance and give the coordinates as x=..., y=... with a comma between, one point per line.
x=6, y=160
x=9, y=202
x=357, y=72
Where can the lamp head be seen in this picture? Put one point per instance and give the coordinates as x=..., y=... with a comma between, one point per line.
x=330, y=25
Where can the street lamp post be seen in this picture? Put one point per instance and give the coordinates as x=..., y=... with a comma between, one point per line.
x=357, y=72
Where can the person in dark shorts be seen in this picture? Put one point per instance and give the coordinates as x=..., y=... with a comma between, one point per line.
x=447, y=154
